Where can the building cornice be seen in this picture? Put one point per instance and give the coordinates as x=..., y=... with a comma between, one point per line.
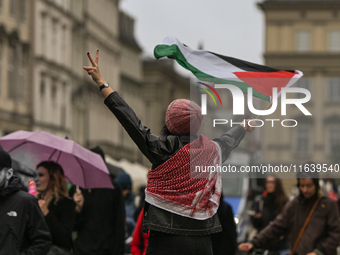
x=67, y=13
x=56, y=67
x=14, y=117
x=299, y=5
x=129, y=41
x=328, y=55
x=53, y=127
x=332, y=119
x=325, y=63
x=163, y=68
x=132, y=80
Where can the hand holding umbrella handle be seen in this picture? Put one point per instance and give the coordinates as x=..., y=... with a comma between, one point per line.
x=78, y=198
x=95, y=74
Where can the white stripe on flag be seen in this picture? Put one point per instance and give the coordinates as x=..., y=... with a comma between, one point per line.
x=205, y=61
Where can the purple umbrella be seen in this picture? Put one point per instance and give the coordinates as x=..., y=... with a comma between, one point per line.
x=81, y=166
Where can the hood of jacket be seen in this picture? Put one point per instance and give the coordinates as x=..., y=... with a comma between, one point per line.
x=14, y=185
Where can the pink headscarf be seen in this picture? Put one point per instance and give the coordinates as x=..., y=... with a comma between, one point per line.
x=183, y=117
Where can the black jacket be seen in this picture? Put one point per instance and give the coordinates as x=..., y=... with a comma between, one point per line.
x=224, y=243
x=101, y=223
x=158, y=151
x=22, y=226
x=322, y=233
x=60, y=221
x=266, y=206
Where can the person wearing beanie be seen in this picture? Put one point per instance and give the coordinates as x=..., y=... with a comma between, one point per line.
x=125, y=182
x=183, y=117
x=180, y=203
x=22, y=226
x=100, y=218
x=322, y=233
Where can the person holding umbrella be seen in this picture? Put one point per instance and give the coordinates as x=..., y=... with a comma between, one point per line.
x=58, y=209
x=22, y=226
x=100, y=219
x=180, y=209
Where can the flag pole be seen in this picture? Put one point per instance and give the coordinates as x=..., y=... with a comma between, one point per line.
x=265, y=109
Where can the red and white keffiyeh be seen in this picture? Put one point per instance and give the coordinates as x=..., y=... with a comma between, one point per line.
x=177, y=186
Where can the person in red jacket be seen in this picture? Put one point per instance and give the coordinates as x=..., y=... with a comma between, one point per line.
x=139, y=239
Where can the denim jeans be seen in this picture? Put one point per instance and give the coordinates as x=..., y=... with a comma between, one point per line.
x=169, y=244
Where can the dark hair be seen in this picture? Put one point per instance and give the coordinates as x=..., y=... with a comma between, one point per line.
x=314, y=176
x=280, y=195
x=165, y=132
x=57, y=181
x=99, y=151
x=52, y=167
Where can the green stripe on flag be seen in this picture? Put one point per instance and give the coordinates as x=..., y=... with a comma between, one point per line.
x=173, y=50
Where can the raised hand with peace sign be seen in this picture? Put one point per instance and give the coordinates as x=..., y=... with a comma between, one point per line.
x=93, y=70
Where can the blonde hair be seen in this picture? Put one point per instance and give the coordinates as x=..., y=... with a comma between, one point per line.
x=57, y=183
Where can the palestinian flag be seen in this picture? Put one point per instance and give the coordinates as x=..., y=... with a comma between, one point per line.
x=212, y=67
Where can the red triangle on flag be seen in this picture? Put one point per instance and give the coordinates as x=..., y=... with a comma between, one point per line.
x=264, y=82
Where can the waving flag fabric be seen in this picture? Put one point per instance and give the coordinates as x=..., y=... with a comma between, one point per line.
x=212, y=67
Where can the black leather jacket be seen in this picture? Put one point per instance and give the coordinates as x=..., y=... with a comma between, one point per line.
x=159, y=151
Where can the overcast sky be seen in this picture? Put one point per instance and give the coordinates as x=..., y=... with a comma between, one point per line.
x=233, y=28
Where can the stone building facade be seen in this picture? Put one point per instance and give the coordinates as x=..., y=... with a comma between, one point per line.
x=305, y=36
x=15, y=65
x=43, y=45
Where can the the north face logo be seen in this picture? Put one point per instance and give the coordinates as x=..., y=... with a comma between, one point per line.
x=12, y=213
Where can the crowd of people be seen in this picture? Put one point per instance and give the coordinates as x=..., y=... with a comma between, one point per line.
x=180, y=212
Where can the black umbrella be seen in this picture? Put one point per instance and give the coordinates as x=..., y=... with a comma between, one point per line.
x=114, y=170
x=22, y=169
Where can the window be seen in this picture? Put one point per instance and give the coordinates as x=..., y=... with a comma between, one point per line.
x=334, y=41
x=54, y=92
x=306, y=84
x=303, y=43
x=54, y=101
x=303, y=140
x=63, y=106
x=333, y=89
x=1, y=75
x=42, y=97
x=43, y=34
x=12, y=7
x=63, y=45
x=20, y=86
x=54, y=38
x=22, y=10
x=11, y=73
x=333, y=140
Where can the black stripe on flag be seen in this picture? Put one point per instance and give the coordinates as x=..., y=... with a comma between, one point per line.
x=248, y=66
